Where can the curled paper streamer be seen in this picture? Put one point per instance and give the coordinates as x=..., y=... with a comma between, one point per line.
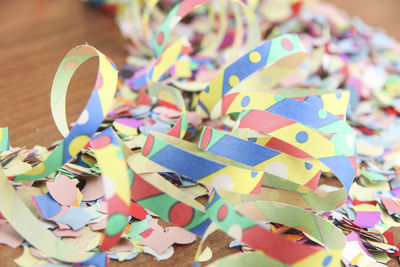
x=295, y=138
x=259, y=157
x=280, y=134
x=265, y=168
x=184, y=8
x=170, y=153
x=139, y=13
x=132, y=11
x=278, y=57
x=91, y=117
x=116, y=184
x=107, y=150
x=158, y=195
x=171, y=97
x=251, y=233
x=165, y=94
x=182, y=157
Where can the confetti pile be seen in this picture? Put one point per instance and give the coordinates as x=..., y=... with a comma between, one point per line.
x=242, y=103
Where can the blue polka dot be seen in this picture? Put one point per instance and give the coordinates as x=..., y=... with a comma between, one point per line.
x=315, y=100
x=245, y=101
x=339, y=95
x=207, y=89
x=308, y=165
x=254, y=174
x=327, y=261
x=301, y=137
x=252, y=139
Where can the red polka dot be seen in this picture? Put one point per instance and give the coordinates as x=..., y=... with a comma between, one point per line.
x=222, y=212
x=137, y=211
x=181, y=214
x=146, y=233
x=101, y=142
x=287, y=44
x=205, y=138
x=99, y=81
x=148, y=145
x=160, y=38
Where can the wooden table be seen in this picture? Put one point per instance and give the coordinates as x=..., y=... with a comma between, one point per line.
x=36, y=34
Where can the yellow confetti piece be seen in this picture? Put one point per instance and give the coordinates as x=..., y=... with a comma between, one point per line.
x=206, y=255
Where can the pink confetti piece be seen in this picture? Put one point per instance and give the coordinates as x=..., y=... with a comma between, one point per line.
x=391, y=205
x=123, y=245
x=9, y=236
x=157, y=241
x=168, y=113
x=63, y=190
x=194, y=119
x=68, y=233
x=153, y=223
x=98, y=225
x=62, y=226
x=103, y=207
x=93, y=189
x=179, y=235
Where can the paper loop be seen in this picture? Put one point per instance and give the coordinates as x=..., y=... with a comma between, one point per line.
x=107, y=149
x=90, y=119
x=185, y=7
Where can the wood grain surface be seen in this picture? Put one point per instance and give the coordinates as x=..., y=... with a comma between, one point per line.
x=34, y=37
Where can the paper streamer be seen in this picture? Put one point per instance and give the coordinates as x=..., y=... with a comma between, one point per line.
x=288, y=130
x=182, y=157
x=90, y=119
x=264, y=166
x=167, y=95
x=171, y=97
x=107, y=150
x=301, y=141
x=251, y=233
x=279, y=133
x=4, y=140
x=115, y=176
x=153, y=192
x=284, y=52
x=184, y=8
x=26, y=224
x=259, y=157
